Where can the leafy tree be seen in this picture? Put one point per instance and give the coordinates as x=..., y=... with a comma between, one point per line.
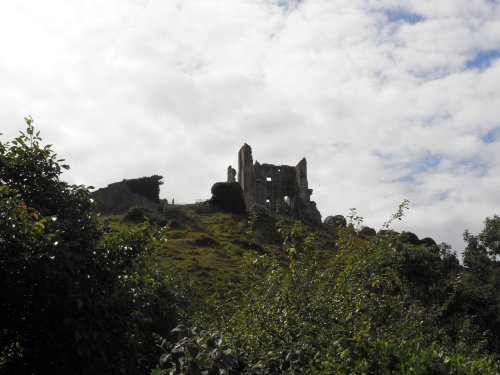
x=477, y=301
x=75, y=300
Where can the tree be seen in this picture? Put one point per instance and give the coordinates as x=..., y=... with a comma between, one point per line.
x=479, y=298
x=75, y=300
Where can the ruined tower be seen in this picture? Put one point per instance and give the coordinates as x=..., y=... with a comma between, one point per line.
x=280, y=188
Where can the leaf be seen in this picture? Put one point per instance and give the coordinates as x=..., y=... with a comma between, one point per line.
x=164, y=358
x=193, y=349
x=213, y=343
x=194, y=369
x=180, y=328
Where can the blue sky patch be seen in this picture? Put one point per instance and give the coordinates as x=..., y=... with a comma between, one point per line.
x=473, y=164
x=483, y=59
x=441, y=196
x=397, y=15
x=288, y=4
x=426, y=163
x=407, y=179
x=491, y=136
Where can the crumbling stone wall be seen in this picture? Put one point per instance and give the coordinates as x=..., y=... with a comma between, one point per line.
x=280, y=188
x=119, y=197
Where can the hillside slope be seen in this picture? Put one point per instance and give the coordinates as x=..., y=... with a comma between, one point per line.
x=212, y=249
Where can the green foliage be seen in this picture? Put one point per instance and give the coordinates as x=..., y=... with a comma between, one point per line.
x=477, y=300
x=252, y=222
x=228, y=197
x=427, y=241
x=409, y=237
x=196, y=352
x=75, y=300
x=378, y=306
x=138, y=214
x=367, y=232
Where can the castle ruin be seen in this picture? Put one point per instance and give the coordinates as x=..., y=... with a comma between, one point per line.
x=280, y=188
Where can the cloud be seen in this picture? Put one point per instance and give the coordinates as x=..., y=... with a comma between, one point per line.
x=386, y=102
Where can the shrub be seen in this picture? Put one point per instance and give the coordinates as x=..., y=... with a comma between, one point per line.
x=227, y=197
x=336, y=221
x=138, y=214
x=427, y=241
x=367, y=232
x=409, y=237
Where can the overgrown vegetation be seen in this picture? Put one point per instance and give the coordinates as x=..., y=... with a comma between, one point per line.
x=219, y=293
x=378, y=306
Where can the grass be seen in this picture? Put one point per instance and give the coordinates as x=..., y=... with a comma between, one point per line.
x=215, y=250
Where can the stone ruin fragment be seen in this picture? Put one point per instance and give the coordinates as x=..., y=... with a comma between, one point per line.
x=280, y=188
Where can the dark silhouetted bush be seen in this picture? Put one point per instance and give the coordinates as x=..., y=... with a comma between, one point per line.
x=336, y=221
x=367, y=232
x=427, y=241
x=138, y=214
x=227, y=197
x=409, y=237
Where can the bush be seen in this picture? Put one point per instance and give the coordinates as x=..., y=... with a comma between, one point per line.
x=367, y=232
x=227, y=197
x=336, y=221
x=138, y=214
x=409, y=237
x=427, y=241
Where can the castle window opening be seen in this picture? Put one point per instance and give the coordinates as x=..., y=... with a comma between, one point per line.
x=269, y=179
x=268, y=202
x=287, y=200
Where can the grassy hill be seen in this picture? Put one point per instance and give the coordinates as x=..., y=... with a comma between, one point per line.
x=213, y=249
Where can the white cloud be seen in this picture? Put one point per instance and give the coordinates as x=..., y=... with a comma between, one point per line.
x=131, y=88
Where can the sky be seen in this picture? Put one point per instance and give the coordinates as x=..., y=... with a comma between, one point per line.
x=388, y=100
